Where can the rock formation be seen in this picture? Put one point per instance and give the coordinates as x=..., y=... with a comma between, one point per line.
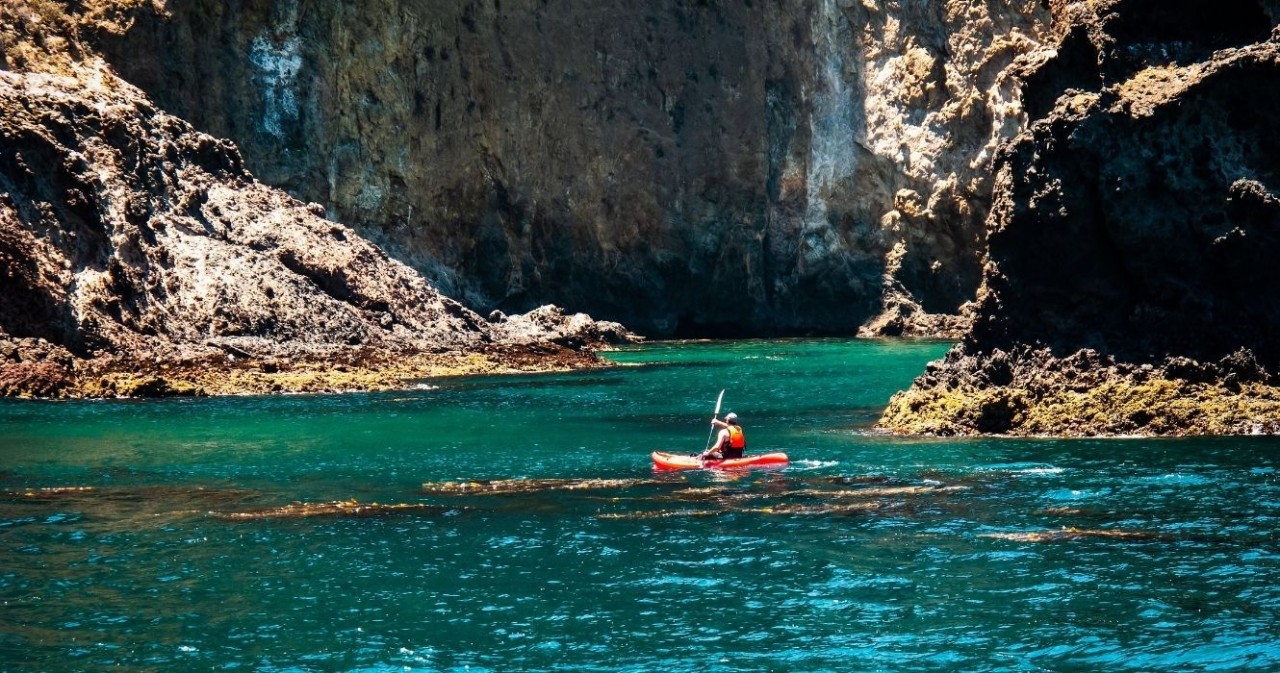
x=1129, y=287
x=687, y=168
x=683, y=168
x=130, y=240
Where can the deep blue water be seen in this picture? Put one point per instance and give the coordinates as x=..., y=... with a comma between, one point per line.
x=867, y=553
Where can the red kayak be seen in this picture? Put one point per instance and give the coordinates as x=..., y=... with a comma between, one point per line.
x=680, y=461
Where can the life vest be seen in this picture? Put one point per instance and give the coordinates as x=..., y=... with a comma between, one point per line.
x=737, y=440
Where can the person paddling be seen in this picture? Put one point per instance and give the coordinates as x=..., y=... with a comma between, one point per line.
x=731, y=442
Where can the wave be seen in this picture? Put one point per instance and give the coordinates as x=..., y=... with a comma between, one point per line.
x=813, y=464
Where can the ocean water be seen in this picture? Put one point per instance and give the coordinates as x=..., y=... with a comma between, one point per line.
x=515, y=524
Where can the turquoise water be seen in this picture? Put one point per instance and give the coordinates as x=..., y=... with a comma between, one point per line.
x=867, y=553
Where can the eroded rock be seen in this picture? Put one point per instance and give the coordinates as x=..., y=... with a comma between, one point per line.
x=705, y=169
x=148, y=261
x=1129, y=285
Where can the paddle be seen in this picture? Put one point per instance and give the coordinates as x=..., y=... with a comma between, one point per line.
x=717, y=413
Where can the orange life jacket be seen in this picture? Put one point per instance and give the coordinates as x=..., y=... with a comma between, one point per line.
x=737, y=440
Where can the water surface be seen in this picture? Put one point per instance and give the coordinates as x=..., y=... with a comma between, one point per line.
x=514, y=524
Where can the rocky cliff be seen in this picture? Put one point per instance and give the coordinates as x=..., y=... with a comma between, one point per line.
x=1129, y=287
x=131, y=243
x=684, y=167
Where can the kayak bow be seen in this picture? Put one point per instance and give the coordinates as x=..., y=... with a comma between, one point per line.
x=680, y=461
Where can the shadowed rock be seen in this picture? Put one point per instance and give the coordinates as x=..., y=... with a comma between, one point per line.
x=1129, y=288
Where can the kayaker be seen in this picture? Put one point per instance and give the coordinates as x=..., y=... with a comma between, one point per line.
x=731, y=442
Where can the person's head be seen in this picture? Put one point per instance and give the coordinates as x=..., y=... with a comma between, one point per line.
x=731, y=418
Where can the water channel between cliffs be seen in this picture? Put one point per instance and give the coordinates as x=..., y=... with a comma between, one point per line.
x=514, y=524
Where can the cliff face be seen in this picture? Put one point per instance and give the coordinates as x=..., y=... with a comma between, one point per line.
x=126, y=234
x=683, y=167
x=1129, y=287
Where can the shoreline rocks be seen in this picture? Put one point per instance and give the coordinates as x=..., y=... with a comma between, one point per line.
x=1032, y=392
x=1129, y=287
x=46, y=371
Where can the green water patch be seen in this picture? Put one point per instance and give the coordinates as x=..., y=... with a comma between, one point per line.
x=517, y=524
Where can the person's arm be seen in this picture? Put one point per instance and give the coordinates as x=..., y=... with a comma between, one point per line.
x=720, y=440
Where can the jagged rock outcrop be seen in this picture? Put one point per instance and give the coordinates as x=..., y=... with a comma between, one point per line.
x=550, y=323
x=124, y=229
x=682, y=168
x=1129, y=285
x=127, y=238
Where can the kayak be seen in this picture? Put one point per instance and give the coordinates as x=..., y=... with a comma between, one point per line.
x=680, y=461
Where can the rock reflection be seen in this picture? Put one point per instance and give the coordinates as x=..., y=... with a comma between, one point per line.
x=880, y=492
x=823, y=508
x=794, y=498
x=346, y=508
x=131, y=504
x=48, y=493
x=666, y=514
x=663, y=497
x=1067, y=534
x=504, y=486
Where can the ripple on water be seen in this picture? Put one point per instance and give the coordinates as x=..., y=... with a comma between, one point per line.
x=1021, y=469
x=1078, y=495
